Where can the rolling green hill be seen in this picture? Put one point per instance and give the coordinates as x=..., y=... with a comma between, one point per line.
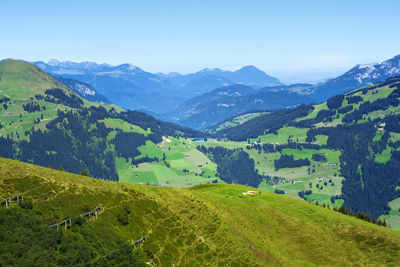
x=20, y=84
x=205, y=225
x=16, y=74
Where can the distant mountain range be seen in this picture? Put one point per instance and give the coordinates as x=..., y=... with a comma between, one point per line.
x=125, y=85
x=248, y=75
x=133, y=88
x=203, y=98
x=205, y=110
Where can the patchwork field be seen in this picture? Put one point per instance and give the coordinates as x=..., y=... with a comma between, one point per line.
x=183, y=166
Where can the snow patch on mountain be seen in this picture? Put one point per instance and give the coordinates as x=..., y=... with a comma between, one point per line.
x=367, y=74
x=225, y=105
x=85, y=90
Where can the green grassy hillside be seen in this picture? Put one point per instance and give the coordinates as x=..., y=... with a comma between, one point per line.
x=21, y=81
x=200, y=226
x=16, y=74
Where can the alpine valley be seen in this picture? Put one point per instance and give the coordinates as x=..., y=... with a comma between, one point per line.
x=107, y=165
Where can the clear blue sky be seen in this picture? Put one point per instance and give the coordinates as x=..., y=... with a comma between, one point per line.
x=185, y=36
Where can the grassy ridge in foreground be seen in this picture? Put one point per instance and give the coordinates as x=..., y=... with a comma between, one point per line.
x=201, y=225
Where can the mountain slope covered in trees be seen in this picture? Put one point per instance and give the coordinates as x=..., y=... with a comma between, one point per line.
x=361, y=128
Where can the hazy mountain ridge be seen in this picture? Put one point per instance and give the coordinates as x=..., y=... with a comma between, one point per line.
x=194, y=112
x=358, y=76
x=133, y=88
x=248, y=75
x=206, y=110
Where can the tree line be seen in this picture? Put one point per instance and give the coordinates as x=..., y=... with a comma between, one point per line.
x=234, y=166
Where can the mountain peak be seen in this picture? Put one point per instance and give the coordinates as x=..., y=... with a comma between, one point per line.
x=249, y=68
x=253, y=76
x=129, y=67
x=210, y=70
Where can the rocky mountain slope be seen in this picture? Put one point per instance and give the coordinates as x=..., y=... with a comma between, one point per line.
x=84, y=90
